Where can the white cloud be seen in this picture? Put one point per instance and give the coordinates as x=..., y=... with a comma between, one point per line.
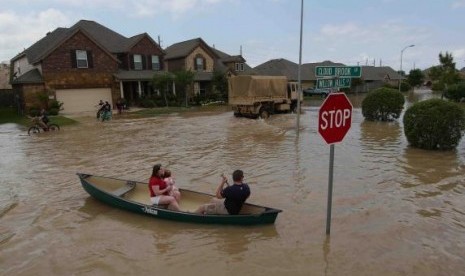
x=458, y=4
x=175, y=8
x=338, y=30
x=19, y=31
x=459, y=55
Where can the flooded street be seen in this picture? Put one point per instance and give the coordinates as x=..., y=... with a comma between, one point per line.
x=396, y=210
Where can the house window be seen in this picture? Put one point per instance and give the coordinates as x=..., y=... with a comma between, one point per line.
x=155, y=63
x=81, y=59
x=137, y=62
x=199, y=64
x=239, y=66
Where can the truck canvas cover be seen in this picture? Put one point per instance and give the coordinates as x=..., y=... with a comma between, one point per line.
x=247, y=89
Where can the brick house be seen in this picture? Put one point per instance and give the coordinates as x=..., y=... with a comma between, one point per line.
x=197, y=56
x=85, y=63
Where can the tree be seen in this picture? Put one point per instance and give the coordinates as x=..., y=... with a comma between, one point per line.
x=183, y=79
x=162, y=82
x=220, y=83
x=444, y=74
x=415, y=77
x=455, y=92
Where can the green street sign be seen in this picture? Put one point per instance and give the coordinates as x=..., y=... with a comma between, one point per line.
x=341, y=71
x=333, y=83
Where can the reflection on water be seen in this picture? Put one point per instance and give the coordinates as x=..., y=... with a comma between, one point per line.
x=430, y=167
x=396, y=210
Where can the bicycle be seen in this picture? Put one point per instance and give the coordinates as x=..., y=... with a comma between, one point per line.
x=37, y=127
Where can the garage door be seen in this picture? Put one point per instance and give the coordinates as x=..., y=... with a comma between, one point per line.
x=82, y=100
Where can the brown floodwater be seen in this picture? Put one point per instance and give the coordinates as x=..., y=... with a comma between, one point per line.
x=396, y=210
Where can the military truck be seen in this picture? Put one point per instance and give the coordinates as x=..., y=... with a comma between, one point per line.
x=260, y=96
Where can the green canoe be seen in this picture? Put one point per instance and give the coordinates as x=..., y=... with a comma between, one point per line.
x=134, y=196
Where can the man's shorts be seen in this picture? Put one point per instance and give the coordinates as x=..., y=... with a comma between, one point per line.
x=216, y=207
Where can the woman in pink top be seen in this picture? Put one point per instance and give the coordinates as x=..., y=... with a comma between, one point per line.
x=159, y=191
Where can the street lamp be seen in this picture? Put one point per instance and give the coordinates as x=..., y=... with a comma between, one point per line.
x=400, y=72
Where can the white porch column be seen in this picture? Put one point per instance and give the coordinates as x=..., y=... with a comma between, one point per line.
x=139, y=89
x=121, y=91
x=174, y=88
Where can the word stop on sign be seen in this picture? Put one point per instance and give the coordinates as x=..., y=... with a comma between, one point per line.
x=335, y=118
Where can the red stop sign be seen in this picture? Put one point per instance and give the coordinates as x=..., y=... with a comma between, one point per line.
x=335, y=117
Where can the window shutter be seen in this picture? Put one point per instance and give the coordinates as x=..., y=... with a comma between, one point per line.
x=204, y=64
x=149, y=62
x=131, y=61
x=144, y=62
x=195, y=64
x=90, y=59
x=73, y=59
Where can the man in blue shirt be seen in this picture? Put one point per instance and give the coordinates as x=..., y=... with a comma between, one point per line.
x=234, y=197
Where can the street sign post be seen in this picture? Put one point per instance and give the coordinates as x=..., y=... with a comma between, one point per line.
x=341, y=71
x=334, y=83
x=334, y=121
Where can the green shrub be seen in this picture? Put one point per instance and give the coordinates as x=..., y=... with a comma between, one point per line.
x=53, y=111
x=434, y=124
x=437, y=86
x=383, y=104
x=33, y=110
x=456, y=92
x=55, y=104
x=405, y=86
x=388, y=85
x=147, y=103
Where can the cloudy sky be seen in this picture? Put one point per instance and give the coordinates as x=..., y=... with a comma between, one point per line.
x=351, y=31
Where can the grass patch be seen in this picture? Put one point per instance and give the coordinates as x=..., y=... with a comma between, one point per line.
x=9, y=115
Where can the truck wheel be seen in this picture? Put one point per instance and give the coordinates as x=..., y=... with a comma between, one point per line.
x=237, y=114
x=264, y=113
x=294, y=107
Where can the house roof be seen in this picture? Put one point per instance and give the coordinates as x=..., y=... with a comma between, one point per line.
x=32, y=76
x=109, y=40
x=278, y=67
x=225, y=58
x=184, y=48
x=283, y=67
x=371, y=73
x=308, y=69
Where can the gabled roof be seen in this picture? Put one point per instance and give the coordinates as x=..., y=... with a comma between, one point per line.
x=184, y=48
x=132, y=41
x=278, y=67
x=43, y=46
x=109, y=40
x=225, y=58
x=308, y=69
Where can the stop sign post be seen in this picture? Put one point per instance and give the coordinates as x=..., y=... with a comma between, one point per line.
x=334, y=121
